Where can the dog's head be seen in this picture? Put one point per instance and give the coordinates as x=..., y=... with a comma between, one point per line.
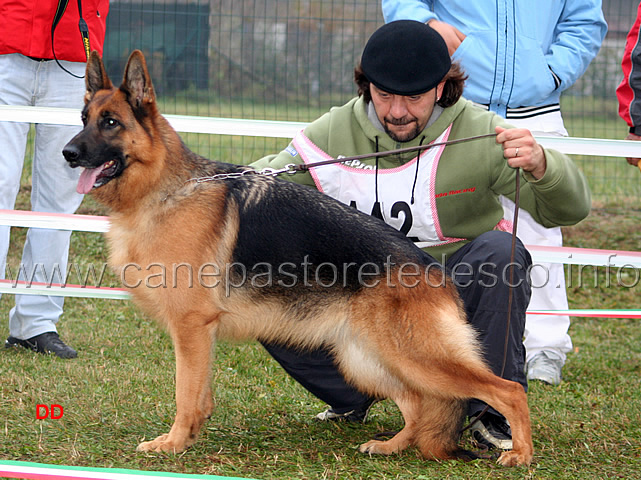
x=118, y=132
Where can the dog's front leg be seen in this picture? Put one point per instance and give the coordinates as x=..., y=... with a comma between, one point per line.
x=193, y=339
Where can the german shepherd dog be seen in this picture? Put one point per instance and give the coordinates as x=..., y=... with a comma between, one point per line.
x=291, y=266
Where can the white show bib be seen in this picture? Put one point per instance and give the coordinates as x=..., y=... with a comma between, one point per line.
x=357, y=185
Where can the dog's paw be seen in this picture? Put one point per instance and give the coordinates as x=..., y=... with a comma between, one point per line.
x=376, y=447
x=512, y=458
x=161, y=444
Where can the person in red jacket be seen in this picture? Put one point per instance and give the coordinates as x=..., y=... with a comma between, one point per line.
x=629, y=91
x=41, y=68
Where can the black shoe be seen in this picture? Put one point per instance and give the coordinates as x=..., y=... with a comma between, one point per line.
x=492, y=431
x=358, y=415
x=45, y=343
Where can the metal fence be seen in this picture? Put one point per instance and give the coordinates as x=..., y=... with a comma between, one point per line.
x=294, y=59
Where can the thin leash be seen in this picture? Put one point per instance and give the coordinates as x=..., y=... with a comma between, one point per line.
x=292, y=168
x=387, y=153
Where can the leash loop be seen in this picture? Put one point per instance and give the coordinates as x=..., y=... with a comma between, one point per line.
x=82, y=26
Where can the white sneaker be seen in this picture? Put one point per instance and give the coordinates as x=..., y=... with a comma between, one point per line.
x=545, y=367
x=358, y=415
x=492, y=431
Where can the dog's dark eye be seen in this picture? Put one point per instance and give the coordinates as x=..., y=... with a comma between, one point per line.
x=110, y=122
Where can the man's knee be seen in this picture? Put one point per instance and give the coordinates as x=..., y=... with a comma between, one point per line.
x=488, y=263
x=498, y=248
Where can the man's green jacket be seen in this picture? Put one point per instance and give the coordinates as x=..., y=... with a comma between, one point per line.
x=469, y=178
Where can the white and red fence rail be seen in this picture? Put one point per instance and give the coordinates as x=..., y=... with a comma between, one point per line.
x=264, y=128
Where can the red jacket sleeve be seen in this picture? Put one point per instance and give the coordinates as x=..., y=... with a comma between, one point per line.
x=629, y=91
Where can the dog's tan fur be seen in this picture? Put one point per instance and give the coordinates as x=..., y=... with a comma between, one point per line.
x=412, y=345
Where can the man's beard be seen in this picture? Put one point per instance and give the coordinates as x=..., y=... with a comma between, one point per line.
x=407, y=137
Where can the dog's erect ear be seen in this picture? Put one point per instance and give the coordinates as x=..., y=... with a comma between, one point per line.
x=137, y=80
x=95, y=76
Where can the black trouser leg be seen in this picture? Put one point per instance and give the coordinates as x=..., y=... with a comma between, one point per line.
x=317, y=372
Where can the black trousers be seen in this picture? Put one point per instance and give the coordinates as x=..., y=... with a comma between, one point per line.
x=480, y=270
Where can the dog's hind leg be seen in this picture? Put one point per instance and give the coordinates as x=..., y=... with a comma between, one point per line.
x=433, y=424
x=455, y=381
x=439, y=428
x=465, y=377
x=410, y=406
x=424, y=342
x=510, y=399
x=193, y=339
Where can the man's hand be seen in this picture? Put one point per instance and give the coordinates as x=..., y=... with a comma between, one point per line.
x=631, y=160
x=453, y=36
x=521, y=150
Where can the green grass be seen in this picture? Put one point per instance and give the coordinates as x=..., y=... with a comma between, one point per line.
x=120, y=390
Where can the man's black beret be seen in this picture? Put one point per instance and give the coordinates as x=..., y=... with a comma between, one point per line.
x=405, y=57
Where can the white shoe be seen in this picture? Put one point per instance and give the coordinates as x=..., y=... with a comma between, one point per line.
x=358, y=415
x=545, y=367
x=491, y=431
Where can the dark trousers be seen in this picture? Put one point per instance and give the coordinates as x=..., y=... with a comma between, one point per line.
x=480, y=270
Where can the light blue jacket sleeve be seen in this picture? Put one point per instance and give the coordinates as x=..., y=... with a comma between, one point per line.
x=577, y=39
x=422, y=11
x=516, y=52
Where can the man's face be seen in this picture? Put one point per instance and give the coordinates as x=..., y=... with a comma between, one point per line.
x=404, y=117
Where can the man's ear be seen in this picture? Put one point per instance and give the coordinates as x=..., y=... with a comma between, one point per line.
x=439, y=90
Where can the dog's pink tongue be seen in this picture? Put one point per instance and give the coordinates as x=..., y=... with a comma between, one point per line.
x=87, y=179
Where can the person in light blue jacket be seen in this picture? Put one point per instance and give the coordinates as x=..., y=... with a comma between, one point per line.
x=519, y=56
